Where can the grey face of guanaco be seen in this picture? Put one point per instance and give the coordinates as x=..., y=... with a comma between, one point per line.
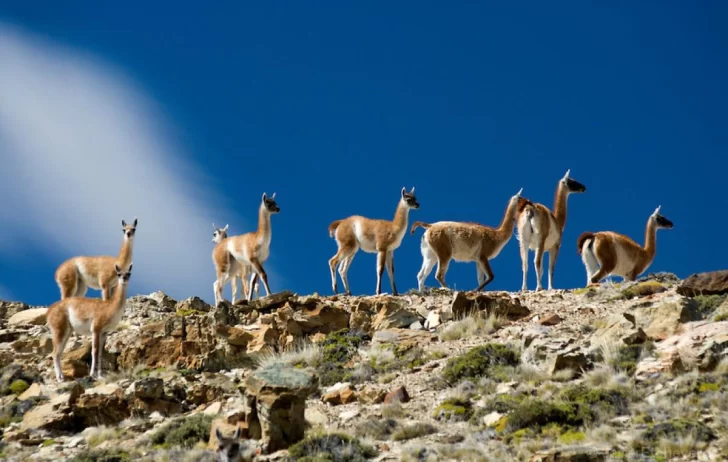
x=572, y=185
x=270, y=203
x=123, y=275
x=129, y=230
x=410, y=199
x=661, y=220
x=218, y=234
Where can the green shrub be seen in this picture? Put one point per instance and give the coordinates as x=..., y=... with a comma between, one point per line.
x=337, y=349
x=332, y=447
x=18, y=386
x=674, y=430
x=185, y=432
x=477, y=362
x=454, y=409
x=643, y=289
x=105, y=455
x=707, y=304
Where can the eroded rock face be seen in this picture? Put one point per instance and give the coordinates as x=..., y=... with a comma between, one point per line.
x=708, y=283
x=278, y=394
x=32, y=317
x=501, y=304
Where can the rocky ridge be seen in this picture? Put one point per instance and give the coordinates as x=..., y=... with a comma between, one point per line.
x=632, y=371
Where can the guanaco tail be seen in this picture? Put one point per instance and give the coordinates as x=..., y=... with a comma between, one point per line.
x=607, y=253
x=75, y=275
x=465, y=242
x=250, y=249
x=541, y=230
x=87, y=316
x=372, y=236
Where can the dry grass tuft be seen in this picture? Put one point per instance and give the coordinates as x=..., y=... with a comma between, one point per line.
x=301, y=354
x=472, y=326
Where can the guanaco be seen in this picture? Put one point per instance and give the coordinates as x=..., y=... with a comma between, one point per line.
x=75, y=275
x=235, y=449
x=218, y=235
x=465, y=242
x=249, y=249
x=607, y=253
x=87, y=316
x=372, y=236
x=541, y=230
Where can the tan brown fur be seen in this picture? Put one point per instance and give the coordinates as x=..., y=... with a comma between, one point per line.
x=372, y=236
x=465, y=241
x=87, y=316
x=252, y=249
x=617, y=254
x=541, y=230
x=75, y=275
x=244, y=272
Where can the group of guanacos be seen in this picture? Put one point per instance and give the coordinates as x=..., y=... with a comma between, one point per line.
x=604, y=253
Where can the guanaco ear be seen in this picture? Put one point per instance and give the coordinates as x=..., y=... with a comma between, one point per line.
x=657, y=210
x=238, y=433
x=129, y=270
x=567, y=174
x=412, y=192
x=135, y=222
x=123, y=224
x=518, y=194
x=218, y=434
x=213, y=226
x=273, y=196
x=225, y=228
x=118, y=270
x=404, y=191
x=265, y=196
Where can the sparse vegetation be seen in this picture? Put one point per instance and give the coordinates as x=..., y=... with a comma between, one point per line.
x=472, y=326
x=105, y=455
x=478, y=361
x=337, y=350
x=18, y=386
x=414, y=430
x=453, y=409
x=332, y=447
x=185, y=432
x=707, y=304
x=643, y=289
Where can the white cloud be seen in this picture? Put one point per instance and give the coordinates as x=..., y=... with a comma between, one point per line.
x=81, y=149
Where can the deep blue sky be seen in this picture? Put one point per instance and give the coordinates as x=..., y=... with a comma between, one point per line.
x=337, y=108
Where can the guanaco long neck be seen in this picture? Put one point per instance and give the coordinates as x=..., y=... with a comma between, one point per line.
x=562, y=195
x=264, y=229
x=505, y=229
x=400, y=218
x=125, y=252
x=118, y=299
x=651, y=239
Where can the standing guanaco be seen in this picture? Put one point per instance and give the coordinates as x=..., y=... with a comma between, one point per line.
x=75, y=275
x=87, y=316
x=607, y=253
x=219, y=235
x=372, y=236
x=465, y=242
x=541, y=230
x=249, y=249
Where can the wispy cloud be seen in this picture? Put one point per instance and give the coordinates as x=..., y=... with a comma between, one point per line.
x=81, y=149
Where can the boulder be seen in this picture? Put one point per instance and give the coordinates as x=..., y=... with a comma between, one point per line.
x=29, y=317
x=499, y=304
x=192, y=305
x=277, y=398
x=392, y=313
x=76, y=363
x=398, y=395
x=340, y=393
x=666, y=318
x=707, y=283
x=102, y=405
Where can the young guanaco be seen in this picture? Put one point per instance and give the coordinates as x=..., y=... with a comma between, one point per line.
x=540, y=229
x=249, y=249
x=465, y=242
x=219, y=235
x=235, y=449
x=87, y=316
x=607, y=253
x=372, y=236
x=75, y=275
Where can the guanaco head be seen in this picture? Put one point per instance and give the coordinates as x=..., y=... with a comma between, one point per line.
x=660, y=220
x=123, y=275
x=129, y=230
x=218, y=234
x=270, y=204
x=234, y=449
x=409, y=198
x=572, y=186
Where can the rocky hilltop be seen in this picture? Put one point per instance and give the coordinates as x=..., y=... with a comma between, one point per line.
x=631, y=371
